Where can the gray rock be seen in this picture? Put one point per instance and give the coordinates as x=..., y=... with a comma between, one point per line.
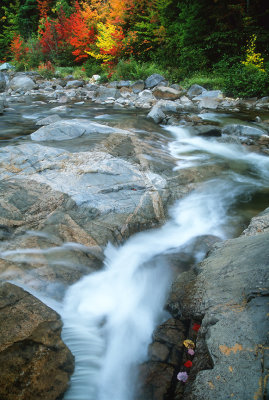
x=125, y=84
x=91, y=87
x=146, y=95
x=138, y=86
x=22, y=82
x=48, y=120
x=243, y=130
x=6, y=67
x=154, y=80
x=212, y=94
x=169, y=106
x=177, y=87
x=229, y=292
x=258, y=224
x=166, y=93
x=74, y=84
x=103, y=93
x=156, y=114
x=35, y=363
x=2, y=82
x=195, y=90
x=207, y=130
x=70, y=129
x=3, y=102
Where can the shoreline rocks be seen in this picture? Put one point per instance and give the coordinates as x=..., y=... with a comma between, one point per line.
x=35, y=363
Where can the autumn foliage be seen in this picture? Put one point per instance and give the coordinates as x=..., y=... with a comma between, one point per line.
x=100, y=29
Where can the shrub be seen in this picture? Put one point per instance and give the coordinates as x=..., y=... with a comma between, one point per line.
x=46, y=69
x=246, y=81
x=133, y=70
x=92, y=67
x=208, y=81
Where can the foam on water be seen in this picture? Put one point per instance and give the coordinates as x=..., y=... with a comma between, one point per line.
x=109, y=315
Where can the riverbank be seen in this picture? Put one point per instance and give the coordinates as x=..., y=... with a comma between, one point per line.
x=74, y=184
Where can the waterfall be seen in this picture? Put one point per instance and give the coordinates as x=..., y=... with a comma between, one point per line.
x=109, y=316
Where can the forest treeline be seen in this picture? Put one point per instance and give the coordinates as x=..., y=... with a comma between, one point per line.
x=181, y=37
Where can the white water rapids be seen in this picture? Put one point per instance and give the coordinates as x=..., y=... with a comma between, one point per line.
x=109, y=316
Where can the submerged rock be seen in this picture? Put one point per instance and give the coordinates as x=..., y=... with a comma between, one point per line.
x=35, y=363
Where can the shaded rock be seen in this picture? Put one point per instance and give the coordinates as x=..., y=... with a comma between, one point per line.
x=123, y=84
x=91, y=86
x=35, y=363
x=177, y=87
x=2, y=82
x=156, y=114
x=103, y=93
x=154, y=80
x=138, y=86
x=228, y=290
x=166, y=93
x=246, y=134
x=157, y=379
x=70, y=129
x=242, y=130
x=49, y=120
x=258, y=224
x=74, y=84
x=22, y=82
x=195, y=90
x=207, y=130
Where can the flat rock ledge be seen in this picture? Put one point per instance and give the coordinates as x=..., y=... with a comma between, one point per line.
x=35, y=363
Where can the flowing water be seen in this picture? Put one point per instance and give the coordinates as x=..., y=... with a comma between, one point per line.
x=109, y=315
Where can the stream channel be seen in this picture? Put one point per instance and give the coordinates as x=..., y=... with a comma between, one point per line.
x=110, y=314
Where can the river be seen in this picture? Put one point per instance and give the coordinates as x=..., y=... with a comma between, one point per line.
x=109, y=315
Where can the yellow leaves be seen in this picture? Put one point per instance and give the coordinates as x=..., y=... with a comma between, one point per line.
x=252, y=58
x=109, y=38
x=189, y=344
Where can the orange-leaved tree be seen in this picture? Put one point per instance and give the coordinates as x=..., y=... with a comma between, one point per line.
x=82, y=34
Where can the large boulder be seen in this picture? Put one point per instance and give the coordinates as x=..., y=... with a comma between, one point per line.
x=209, y=99
x=243, y=130
x=228, y=291
x=138, y=86
x=154, y=80
x=35, y=363
x=6, y=66
x=166, y=93
x=195, y=90
x=21, y=82
x=70, y=129
x=74, y=84
x=103, y=93
x=156, y=114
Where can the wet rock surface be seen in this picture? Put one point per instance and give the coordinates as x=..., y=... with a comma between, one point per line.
x=35, y=363
x=228, y=291
x=86, y=184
